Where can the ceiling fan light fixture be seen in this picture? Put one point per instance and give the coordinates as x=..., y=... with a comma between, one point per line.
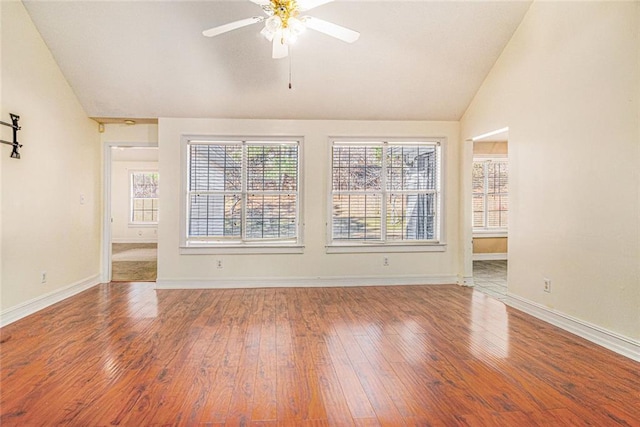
x=273, y=24
x=296, y=26
x=267, y=34
x=283, y=24
x=288, y=37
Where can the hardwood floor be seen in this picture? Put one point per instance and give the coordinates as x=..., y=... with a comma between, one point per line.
x=125, y=354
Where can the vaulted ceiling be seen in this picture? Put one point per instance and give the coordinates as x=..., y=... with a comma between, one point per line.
x=415, y=60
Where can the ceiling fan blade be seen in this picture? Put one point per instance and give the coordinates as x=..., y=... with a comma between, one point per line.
x=330, y=29
x=304, y=5
x=232, y=26
x=280, y=50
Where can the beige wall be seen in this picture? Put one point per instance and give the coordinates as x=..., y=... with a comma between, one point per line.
x=45, y=225
x=2, y=153
x=121, y=133
x=567, y=85
x=498, y=148
x=314, y=263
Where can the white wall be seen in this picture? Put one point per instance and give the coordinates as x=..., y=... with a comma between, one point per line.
x=2, y=152
x=568, y=85
x=121, y=230
x=45, y=225
x=121, y=133
x=314, y=266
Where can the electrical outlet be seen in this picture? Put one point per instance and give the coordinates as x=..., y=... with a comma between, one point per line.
x=385, y=261
x=547, y=285
x=219, y=263
x=43, y=277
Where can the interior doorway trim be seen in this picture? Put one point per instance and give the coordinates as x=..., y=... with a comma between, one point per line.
x=107, y=220
x=490, y=134
x=467, y=206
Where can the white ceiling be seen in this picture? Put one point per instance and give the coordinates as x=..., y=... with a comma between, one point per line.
x=415, y=60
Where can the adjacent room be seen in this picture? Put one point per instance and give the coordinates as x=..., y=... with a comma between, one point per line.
x=316, y=212
x=135, y=187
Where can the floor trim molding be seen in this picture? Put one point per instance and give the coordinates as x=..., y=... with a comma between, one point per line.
x=130, y=240
x=284, y=282
x=490, y=257
x=34, y=305
x=615, y=342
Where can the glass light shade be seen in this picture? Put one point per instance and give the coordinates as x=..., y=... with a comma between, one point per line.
x=288, y=36
x=267, y=34
x=296, y=26
x=273, y=24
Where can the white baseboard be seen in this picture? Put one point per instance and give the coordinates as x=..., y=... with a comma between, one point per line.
x=27, y=308
x=615, y=342
x=285, y=282
x=130, y=240
x=490, y=257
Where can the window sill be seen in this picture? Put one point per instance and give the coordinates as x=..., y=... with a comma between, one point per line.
x=202, y=249
x=338, y=248
x=143, y=225
x=480, y=234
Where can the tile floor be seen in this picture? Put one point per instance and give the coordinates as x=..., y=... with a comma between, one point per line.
x=490, y=277
x=134, y=262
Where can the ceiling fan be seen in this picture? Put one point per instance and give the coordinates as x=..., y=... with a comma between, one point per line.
x=283, y=24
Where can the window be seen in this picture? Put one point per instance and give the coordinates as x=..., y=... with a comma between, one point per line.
x=385, y=192
x=242, y=193
x=144, y=197
x=490, y=194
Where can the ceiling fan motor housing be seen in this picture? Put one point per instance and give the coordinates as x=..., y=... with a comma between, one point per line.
x=284, y=9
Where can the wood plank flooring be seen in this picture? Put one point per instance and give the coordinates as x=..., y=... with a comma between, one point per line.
x=126, y=354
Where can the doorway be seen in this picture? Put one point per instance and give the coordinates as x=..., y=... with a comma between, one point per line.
x=490, y=213
x=132, y=209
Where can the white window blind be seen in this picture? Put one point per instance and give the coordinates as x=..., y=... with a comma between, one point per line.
x=144, y=197
x=385, y=192
x=490, y=194
x=243, y=191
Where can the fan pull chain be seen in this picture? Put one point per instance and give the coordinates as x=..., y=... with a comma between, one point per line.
x=290, y=52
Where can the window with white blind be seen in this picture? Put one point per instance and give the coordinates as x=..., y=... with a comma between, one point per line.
x=144, y=198
x=490, y=195
x=242, y=192
x=385, y=192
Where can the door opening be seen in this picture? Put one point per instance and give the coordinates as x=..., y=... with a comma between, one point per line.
x=490, y=212
x=131, y=213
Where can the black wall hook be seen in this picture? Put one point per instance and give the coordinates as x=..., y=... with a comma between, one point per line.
x=15, y=153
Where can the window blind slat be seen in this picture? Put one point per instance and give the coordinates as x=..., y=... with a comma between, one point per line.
x=490, y=189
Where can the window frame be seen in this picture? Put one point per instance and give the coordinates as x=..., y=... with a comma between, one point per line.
x=384, y=246
x=140, y=224
x=253, y=246
x=485, y=231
